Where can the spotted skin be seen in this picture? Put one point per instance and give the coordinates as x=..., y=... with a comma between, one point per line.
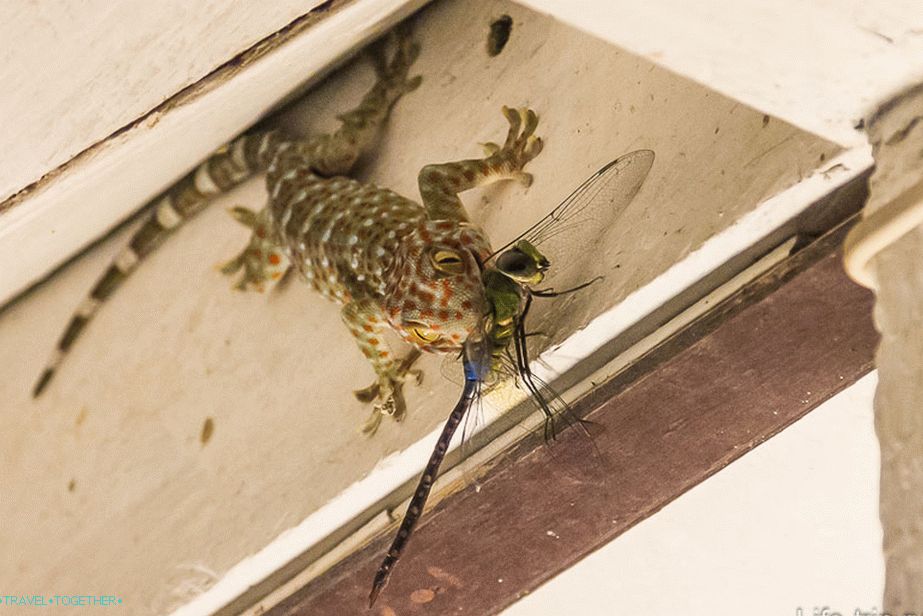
x=374, y=251
x=392, y=263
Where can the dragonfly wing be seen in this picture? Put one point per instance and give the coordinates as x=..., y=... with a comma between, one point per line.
x=597, y=203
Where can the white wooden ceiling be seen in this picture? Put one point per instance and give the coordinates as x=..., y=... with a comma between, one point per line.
x=124, y=426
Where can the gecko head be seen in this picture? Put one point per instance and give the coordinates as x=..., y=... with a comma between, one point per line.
x=437, y=298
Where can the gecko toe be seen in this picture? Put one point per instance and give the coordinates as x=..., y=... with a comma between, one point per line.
x=370, y=427
x=367, y=394
x=523, y=178
x=413, y=83
x=490, y=148
x=529, y=122
x=533, y=147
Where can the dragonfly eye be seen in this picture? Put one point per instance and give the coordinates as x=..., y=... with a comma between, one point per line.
x=519, y=266
x=448, y=262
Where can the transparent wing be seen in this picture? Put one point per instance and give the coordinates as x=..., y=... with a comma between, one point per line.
x=595, y=204
x=451, y=369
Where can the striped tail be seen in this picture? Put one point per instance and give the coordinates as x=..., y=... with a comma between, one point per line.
x=228, y=167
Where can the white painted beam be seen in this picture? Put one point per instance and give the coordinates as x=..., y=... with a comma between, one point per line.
x=109, y=181
x=821, y=65
x=74, y=73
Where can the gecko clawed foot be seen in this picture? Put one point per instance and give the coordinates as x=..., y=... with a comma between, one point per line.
x=262, y=260
x=520, y=147
x=389, y=391
x=393, y=71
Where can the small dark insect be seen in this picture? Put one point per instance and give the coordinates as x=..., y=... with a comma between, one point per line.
x=208, y=428
x=499, y=34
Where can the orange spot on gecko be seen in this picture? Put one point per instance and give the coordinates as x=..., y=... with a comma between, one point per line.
x=373, y=341
x=368, y=328
x=277, y=275
x=274, y=258
x=466, y=304
x=443, y=315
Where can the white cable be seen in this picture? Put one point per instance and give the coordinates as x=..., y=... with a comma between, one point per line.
x=878, y=231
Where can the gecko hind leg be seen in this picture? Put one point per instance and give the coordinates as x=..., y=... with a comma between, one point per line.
x=335, y=154
x=392, y=395
x=368, y=325
x=263, y=260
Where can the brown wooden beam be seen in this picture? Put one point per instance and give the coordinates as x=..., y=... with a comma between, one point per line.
x=735, y=377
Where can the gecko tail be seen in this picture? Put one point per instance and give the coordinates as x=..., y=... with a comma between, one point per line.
x=229, y=166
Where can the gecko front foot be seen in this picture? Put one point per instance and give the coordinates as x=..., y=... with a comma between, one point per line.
x=520, y=147
x=388, y=391
x=262, y=260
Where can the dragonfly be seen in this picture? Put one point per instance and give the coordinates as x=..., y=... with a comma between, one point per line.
x=510, y=277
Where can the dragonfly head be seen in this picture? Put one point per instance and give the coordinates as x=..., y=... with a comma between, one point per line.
x=437, y=298
x=523, y=263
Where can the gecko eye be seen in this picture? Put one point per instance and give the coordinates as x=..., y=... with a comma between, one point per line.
x=422, y=337
x=419, y=333
x=448, y=262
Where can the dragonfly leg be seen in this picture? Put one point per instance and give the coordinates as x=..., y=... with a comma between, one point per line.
x=263, y=259
x=368, y=325
x=440, y=184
